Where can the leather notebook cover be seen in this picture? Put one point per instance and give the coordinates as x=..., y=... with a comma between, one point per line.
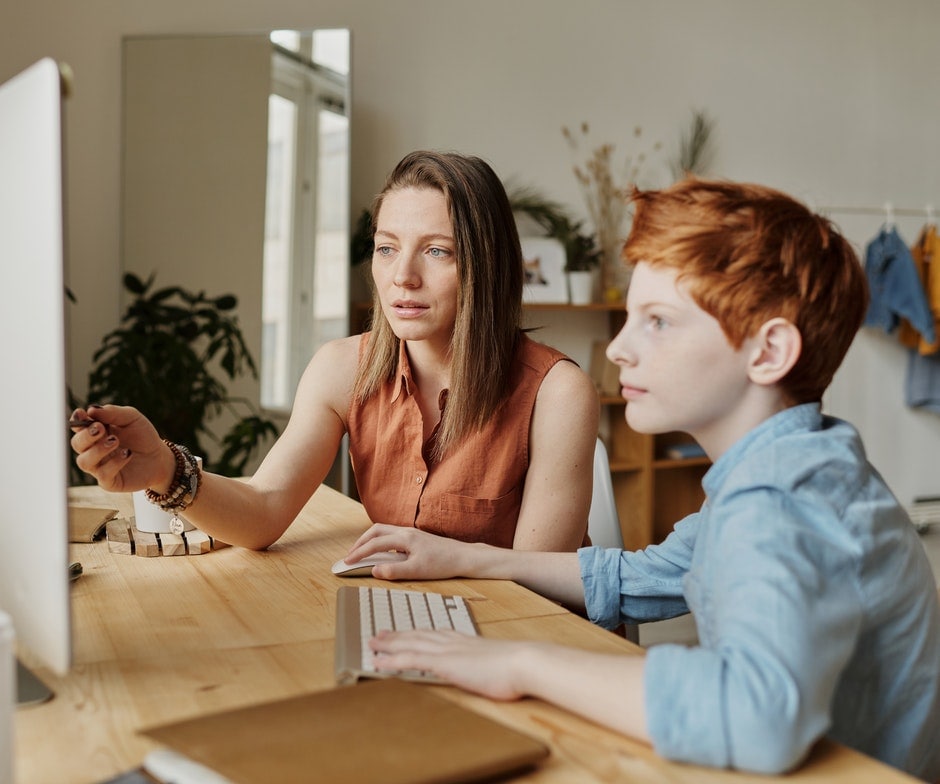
x=382, y=730
x=86, y=524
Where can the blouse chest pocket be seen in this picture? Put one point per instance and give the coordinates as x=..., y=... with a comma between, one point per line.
x=489, y=520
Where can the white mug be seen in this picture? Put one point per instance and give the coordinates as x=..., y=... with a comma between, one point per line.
x=151, y=518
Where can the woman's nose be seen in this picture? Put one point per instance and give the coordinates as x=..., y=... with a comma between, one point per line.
x=406, y=271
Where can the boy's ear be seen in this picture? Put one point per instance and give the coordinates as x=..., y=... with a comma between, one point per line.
x=778, y=345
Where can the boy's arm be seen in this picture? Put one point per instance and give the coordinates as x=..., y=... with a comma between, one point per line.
x=605, y=688
x=556, y=576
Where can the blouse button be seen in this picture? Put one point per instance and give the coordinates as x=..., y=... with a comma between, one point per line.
x=419, y=479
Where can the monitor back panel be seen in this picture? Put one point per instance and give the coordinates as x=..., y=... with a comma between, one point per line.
x=33, y=401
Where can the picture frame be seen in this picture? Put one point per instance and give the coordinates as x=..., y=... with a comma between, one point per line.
x=544, y=260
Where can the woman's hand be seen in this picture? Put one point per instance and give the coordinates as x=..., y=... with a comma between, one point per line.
x=121, y=449
x=430, y=557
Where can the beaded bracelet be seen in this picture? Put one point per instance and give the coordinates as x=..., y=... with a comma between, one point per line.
x=185, y=485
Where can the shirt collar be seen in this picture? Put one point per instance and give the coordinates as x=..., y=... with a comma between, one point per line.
x=806, y=416
x=403, y=378
x=404, y=381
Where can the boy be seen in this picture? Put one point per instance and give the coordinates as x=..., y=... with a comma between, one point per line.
x=815, y=605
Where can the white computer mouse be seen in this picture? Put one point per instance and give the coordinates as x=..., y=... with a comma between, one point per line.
x=363, y=568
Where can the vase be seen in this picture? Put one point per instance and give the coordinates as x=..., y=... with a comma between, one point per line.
x=615, y=277
x=580, y=287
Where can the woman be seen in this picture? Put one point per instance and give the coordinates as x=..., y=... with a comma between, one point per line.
x=458, y=423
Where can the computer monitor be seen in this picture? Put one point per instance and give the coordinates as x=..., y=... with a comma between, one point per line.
x=34, y=454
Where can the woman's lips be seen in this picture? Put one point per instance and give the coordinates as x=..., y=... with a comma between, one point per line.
x=408, y=308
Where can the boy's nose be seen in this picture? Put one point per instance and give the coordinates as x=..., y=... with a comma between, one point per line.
x=618, y=350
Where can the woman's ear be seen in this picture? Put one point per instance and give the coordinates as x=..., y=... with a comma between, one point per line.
x=777, y=346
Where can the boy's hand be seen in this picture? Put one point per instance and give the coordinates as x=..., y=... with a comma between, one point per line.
x=473, y=663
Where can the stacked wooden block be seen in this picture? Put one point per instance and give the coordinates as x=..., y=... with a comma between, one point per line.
x=125, y=538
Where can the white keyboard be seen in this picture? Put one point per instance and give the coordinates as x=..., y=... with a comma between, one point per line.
x=364, y=611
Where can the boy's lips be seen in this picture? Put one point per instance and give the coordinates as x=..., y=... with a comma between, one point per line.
x=629, y=392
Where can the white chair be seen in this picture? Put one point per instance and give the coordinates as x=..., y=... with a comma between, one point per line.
x=603, y=520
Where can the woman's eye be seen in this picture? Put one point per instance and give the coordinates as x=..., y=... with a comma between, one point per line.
x=439, y=253
x=383, y=250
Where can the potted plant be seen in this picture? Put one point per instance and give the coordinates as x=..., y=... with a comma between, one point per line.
x=164, y=359
x=582, y=256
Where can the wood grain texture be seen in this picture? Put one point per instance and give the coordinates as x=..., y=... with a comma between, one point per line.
x=165, y=639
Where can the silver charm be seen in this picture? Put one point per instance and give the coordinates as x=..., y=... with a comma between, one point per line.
x=176, y=525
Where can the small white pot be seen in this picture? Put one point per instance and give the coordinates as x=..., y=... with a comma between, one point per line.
x=580, y=287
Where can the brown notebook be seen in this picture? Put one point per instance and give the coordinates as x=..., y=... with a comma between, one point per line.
x=86, y=524
x=385, y=731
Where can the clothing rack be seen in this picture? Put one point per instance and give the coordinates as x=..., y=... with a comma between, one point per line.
x=887, y=209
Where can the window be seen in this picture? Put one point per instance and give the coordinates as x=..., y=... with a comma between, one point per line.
x=306, y=253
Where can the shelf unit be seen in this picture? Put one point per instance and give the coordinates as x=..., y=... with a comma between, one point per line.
x=652, y=490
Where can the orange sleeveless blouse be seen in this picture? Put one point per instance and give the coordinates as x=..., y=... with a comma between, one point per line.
x=475, y=492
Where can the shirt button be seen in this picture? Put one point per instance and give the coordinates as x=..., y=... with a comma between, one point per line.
x=419, y=479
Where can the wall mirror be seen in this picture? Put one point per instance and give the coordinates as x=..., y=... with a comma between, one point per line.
x=235, y=179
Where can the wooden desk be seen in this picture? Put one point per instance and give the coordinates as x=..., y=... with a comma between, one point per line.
x=166, y=638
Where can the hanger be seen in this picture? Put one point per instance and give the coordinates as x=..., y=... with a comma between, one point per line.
x=889, y=215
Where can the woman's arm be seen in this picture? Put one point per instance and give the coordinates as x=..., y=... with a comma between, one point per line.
x=125, y=453
x=557, y=494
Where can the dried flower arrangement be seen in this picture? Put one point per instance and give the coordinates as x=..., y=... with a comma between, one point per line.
x=605, y=192
x=696, y=147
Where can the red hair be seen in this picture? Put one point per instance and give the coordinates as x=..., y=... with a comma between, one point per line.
x=748, y=254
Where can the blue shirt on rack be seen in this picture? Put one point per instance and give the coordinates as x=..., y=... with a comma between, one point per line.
x=896, y=288
x=815, y=605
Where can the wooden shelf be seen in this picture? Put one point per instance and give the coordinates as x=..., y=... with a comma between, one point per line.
x=600, y=307
x=623, y=466
x=683, y=462
x=603, y=307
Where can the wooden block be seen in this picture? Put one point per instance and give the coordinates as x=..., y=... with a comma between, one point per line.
x=119, y=536
x=146, y=544
x=218, y=544
x=197, y=542
x=172, y=544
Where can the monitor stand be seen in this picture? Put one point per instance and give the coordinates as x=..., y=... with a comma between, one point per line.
x=29, y=689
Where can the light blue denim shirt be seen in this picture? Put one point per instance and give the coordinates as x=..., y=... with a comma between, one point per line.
x=815, y=604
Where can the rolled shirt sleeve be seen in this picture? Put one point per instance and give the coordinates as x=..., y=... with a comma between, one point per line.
x=644, y=585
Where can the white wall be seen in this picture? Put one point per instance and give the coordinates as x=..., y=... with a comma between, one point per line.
x=830, y=101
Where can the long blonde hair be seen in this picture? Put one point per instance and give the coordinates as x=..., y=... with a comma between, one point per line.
x=489, y=307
